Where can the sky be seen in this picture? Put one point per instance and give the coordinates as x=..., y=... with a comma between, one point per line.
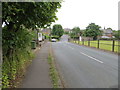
x=83, y=12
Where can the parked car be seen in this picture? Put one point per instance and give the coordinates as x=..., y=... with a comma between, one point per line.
x=53, y=40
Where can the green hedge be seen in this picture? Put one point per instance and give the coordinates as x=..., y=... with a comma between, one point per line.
x=16, y=53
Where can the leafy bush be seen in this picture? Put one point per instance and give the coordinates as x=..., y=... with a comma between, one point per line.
x=57, y=30
x=47, y=36
x=16, y=38
x=16, y=52
x=66, y=32
x=74, y=36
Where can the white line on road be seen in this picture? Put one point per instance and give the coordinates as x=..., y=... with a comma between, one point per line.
x=92, y=57
x=70, y=47
x=67, y=46
x=87, y=55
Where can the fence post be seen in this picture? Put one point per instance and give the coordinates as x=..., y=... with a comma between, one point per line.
x=69, y=39
x=75, y=40
x=98, y=43
x=79, y=42
x=83, y=42
x=88, y=42
x=113, y=45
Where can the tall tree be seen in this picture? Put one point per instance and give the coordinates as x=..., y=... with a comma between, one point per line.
x=19, y=19
x=30, y=14
x=57, y=30
x=92, y=30
x=76, y=31
x=116, y=34
x=17, y=15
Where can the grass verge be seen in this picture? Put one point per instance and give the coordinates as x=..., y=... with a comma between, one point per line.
x=102, y=45
x=53, y=72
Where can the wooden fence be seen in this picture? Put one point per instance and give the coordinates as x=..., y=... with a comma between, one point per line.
x=98, y=43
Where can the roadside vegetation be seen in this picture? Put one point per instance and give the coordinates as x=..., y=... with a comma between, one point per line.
x=57, y=31
x=92, y=30
x=16, y=55
x=76, y=32
x=116, y=34
x=93, y=33
x=20, y=20
x=67, y=33
x=53, y=72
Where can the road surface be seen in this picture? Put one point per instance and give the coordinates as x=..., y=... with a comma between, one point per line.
x=84, y=67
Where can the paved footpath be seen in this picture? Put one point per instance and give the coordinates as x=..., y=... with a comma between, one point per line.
x=37, y=75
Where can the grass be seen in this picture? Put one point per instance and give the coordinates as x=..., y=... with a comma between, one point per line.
x=53, y=72
x=102, y=45
x=13, y=69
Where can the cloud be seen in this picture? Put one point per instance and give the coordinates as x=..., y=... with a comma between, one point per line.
x=82, y=12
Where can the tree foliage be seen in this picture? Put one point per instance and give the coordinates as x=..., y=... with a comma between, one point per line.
x=19, y=15
x=117, y=34
x=109, y=28
x=92, y=30
x=57, y=30
x=76, y=32
x=20, y=18
x=30, y=14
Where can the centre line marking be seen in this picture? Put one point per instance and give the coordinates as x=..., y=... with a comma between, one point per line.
x=92, y=57
x=70, y=47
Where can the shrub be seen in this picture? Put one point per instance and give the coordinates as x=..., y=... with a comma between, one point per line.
x=16, y=52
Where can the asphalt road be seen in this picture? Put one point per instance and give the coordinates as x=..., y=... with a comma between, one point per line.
x=84, y=67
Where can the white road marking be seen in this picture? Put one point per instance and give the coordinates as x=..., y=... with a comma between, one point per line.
x=71, y=47
x=64, y=45
x=92, y=57
x=68, y=46
x=87, y=55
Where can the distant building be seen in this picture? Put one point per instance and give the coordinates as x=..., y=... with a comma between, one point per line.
x=67, y=30
x=107, y=33
x=46, y=31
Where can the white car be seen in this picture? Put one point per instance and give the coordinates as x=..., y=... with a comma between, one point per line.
x=53, y=40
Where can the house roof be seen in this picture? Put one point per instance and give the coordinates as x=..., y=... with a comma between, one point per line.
x=46, y=30
x=67, y=29
x=108, y=31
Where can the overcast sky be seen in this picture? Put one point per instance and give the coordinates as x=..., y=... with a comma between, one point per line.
x=83, y=12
